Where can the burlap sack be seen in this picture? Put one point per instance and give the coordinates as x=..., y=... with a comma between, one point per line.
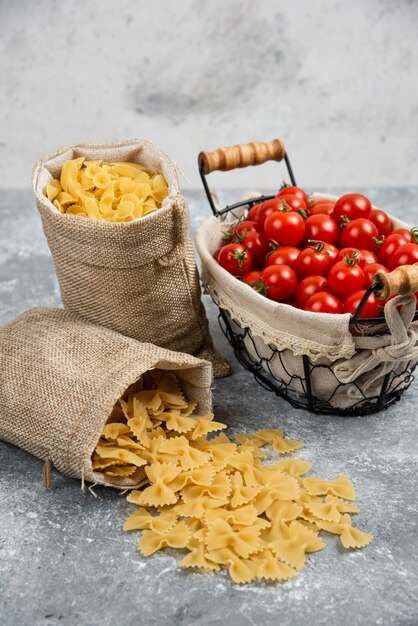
x=345, y=369
x=137, y=278
x=60, y=378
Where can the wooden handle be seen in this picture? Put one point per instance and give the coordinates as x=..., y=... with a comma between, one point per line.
x=242, y=155
x=402, y=280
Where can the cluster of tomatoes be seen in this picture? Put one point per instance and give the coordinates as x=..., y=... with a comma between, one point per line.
x=317, y=255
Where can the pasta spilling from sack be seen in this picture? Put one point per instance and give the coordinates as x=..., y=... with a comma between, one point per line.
x=215, y=498
x=114, y=192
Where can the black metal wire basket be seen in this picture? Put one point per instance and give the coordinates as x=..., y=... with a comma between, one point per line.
x=297, y=387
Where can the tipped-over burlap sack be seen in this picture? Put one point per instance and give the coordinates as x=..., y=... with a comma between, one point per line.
x=345, y=369
x=61, y=376
x=138, y=278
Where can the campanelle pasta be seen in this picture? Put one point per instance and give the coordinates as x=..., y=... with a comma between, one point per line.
x=114, y=192
x=213, y=497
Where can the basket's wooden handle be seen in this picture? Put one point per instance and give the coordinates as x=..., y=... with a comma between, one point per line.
x=242, y=155
x=402, y=280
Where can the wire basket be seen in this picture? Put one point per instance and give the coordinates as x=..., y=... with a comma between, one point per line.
x=299, y=378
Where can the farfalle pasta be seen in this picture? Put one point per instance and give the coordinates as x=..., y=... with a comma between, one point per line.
x=114, y=192
x=213, y=497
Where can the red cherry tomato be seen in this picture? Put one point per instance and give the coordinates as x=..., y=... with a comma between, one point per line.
x=257, y=245
x=345, y=277
x=407, y=254
x=237, y=232
x=287, y=228
x=370, y=308
x=321, y=208
x=308, y=286
x=332, y=252
x=253, y=212
x=411, y=236
x=280, y=282
x=353, y=206
x=253, y=279
x=323, y=302
x=352, y=254
x=360, y=233
x=313, y=261
x=267, y=208
x=321, y=228
x=382, y=221
x=368, y=257
x=370, y=272
x=293, y=202
x=389, y=246
x=235, y=259
x=294, y=191
x=288, y=255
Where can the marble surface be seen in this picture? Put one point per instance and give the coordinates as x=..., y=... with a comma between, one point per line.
x=336, y=80
x=65, y=560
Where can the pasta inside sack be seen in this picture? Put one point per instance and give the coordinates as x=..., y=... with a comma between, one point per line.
x=114, y=192
x=214, y=498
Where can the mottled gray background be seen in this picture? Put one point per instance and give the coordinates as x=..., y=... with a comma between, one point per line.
x=336, y=80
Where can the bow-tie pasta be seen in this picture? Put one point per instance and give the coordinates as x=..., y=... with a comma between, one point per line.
x=114, y=192
x=213, y=498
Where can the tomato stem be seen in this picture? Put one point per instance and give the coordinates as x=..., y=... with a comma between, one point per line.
x=318, y=245
x=285, y=207
x=380, y=241
x=414, y=233
x=285, y=185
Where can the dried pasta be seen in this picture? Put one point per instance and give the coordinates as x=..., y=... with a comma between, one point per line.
x=212, y=497
x=114, y=192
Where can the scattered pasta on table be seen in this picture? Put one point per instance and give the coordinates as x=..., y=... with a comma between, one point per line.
x=215, y=498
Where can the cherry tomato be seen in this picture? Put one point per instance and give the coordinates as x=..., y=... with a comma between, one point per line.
x=382, y=221
x=257, y=245
x=293, y=202
x=407, y=254
x=370, y=272
x=389, y=246
x=287, y=255
x=287, y=228
x=280, y=282
x=345, y=277
x=332, y=251
x=237, y=232
x=321, y=207
x=353, y=206
x=267, y=208
x=321, y=228
x=253, y=212
x=368, y=257
x=253, y=279
x=370, y=308
x=411, y=236
x=235, y=259
x=313, y=261
x=360, y=233
x=323, y=302
x=308, y=286
x=294, y=191
x=353, y=254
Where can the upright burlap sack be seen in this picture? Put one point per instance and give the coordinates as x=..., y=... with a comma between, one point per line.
x=345, y=368
x=138, y=278
x=60, y=378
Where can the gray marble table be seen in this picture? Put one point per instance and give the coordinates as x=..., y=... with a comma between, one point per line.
x=65, y=560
